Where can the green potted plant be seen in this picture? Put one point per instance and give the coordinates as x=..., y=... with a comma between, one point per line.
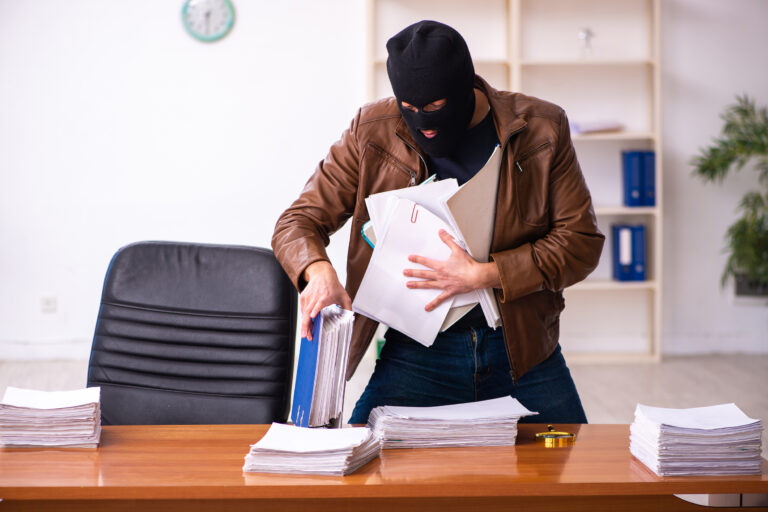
x=744, y=139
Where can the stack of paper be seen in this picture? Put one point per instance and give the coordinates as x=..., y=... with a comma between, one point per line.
x=320, y=451
x=485, y=423
x=318, y=397
x=407, y=221
x=716, y=440
x=50, y=418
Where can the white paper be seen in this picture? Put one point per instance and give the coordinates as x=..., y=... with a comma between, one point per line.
x=484, y=423
x=34, y=399
x=705, y=418
x=305, y=440
x=50, y=418
x=715, y=440
x=485, y=409
x=428, y=195
x=290, y=449
x=383, y=294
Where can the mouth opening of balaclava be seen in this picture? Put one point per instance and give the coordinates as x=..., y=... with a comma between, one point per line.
x=430, y=61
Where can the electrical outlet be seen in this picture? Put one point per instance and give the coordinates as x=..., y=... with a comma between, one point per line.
x=49, y=303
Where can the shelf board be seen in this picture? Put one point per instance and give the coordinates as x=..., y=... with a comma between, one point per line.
x=611, y=285
x=598, y=136
x=588, y=62
x=380, y=61
x=626, y=210
x=609, y=357
x=487, y=62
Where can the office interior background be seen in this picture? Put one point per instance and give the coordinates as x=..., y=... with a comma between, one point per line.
x=117, y=126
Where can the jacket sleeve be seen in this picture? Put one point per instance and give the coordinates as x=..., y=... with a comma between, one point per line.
x=303, y=230
x=572, y=247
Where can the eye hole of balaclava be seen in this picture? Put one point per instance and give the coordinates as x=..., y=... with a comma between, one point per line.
x=429, y=61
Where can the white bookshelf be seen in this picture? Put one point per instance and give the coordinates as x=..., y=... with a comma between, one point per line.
x=531, y=46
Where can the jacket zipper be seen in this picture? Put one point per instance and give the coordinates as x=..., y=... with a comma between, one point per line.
x=413, y=174
x=529, y=153
x=399, y=164
x=512, y=370
x=533, y=150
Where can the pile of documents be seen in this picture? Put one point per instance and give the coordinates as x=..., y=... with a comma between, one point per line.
x=716, y=440
x=484, y=423
x=318, y=397
x=50, y=418
x=407, y=221
x=318, y=451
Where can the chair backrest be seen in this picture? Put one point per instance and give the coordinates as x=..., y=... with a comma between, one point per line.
x=194, y=334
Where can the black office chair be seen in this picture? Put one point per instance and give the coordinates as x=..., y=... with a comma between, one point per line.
x=194, y=334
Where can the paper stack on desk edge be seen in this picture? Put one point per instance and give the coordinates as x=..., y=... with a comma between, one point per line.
x=407, y=221
x=316, y=451
x=715, y=440
x=483, y=423
x=50, y=418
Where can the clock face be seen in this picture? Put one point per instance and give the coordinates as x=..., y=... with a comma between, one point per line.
x=208, y=20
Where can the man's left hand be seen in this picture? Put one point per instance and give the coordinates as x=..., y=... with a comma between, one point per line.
x=460, y=273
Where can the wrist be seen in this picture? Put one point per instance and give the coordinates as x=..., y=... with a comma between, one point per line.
x=488, y=275
x=317, y=267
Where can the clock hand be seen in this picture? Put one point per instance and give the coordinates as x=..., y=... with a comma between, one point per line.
x=208, y=22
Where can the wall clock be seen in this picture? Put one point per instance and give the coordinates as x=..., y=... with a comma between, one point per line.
x=208, y=20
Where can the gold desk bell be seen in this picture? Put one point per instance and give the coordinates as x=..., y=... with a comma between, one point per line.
x=555, y=439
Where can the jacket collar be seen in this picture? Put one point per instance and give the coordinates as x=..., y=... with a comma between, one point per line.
x=505, y=117
x=502, y=107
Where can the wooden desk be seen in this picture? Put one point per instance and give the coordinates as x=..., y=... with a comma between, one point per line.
x=200, y=468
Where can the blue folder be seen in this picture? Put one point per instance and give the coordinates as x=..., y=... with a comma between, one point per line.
x=305, y=375
x=638, y=253
x=639, y=178
x=648, y=166
x=629, y=252
x=633, y=178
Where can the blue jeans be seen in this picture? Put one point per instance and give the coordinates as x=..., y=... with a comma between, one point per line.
x=467, y=366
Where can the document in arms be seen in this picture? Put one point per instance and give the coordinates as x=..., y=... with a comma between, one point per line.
x=383, y=295
x=430, y=195
x=467, y=212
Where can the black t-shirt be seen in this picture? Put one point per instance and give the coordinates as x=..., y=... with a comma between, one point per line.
x=473, y=152
x=474, y=149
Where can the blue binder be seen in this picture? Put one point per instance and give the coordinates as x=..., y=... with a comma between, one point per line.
x=629, y=248
x=648, y=171
x=305, y=375
x=633, y=179
x=638, y=253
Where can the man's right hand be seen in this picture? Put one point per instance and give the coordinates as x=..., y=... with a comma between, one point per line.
x=323, y=289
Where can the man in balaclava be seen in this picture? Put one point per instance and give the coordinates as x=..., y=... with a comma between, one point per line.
x=445, y=120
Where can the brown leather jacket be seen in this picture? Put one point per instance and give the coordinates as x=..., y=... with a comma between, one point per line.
x=545, y=235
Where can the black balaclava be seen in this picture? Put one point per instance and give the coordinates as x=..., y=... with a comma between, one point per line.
x=429, y=61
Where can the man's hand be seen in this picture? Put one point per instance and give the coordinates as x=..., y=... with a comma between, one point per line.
x=323, y=289
x=458, y=274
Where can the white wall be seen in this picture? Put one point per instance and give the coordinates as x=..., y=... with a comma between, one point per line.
x=712, y=50
x=116, y=126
